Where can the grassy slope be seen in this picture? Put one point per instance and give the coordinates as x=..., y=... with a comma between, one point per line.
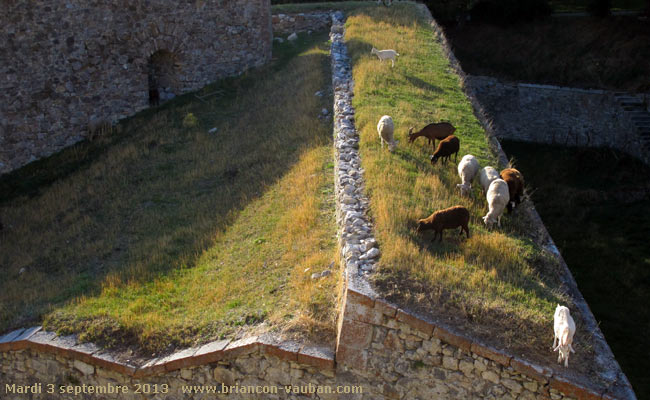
x=604, y=241
x=611, y=53
x=493, y=279
x=165, y=234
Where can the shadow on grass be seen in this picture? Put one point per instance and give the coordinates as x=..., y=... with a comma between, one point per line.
x=150, y=199
x=417, y=82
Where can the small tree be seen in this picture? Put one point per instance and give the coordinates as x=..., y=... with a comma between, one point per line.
x=599, y=8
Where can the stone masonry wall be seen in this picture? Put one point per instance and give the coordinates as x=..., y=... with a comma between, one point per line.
x=56, y=367
x=566, y=116
x=284, y=24
x=70, y=64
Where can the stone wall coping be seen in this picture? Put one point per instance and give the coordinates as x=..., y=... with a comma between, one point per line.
x=36, y=339
x=569, y=385
x=559, y=88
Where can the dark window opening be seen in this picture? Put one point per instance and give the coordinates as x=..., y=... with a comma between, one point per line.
x=163, y=71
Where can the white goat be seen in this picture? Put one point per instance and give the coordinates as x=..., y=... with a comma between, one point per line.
x=385, y=129
x=564, y=329
x=486, y=176
x=498, y=198
x=385, y=55
x=467, y=169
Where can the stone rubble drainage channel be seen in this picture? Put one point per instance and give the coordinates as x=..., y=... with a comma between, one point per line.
x=358, y=246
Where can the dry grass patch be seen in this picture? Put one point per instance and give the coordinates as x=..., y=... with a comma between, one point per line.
x=496, y=280
x=165, y=234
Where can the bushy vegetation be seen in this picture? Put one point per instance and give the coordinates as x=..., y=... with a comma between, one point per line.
x=448, y=11
x=611, y=53
x=582, y=5
x=599, y=8
x=507, y=12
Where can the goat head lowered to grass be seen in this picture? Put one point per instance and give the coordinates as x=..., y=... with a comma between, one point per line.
x=449, y=218
x=436, y=130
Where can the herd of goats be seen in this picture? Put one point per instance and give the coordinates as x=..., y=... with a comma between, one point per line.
x=502, y=190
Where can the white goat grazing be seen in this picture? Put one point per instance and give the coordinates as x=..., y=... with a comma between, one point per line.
x=385, y=55
x=498, y=198
x=467, y=169
x=564, y=329
x=486, y=176
x=385, y=129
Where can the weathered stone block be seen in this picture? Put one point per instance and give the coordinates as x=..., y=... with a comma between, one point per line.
x=450, y=363
x=452, y=338
x=84, y=368
x=491, y=353
x=491, y=376
x=530, y=386
x=224, y=375
x=512, y=385
x=355, y=334
x=573, y=389
x=415, y=323
x=186, y=374
x=466, y=367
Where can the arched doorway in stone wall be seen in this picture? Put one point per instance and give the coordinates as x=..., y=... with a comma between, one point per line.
x=163, y=71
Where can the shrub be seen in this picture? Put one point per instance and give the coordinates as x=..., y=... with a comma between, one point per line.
x=599, y=8
x=448, y=11
x=190, y=121
x=506, y=12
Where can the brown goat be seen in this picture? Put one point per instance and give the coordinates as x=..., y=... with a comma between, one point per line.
x=436, y=130
x=515, y=181
x=449, y=218
x=448, y=146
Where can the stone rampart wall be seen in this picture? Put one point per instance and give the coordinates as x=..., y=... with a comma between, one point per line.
x=556, y=115
x=70, y=64
x=284, y=24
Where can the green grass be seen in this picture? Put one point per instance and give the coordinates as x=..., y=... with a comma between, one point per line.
x=162, y=234
x=612, y=53
x=495, y=279
x=603, y=240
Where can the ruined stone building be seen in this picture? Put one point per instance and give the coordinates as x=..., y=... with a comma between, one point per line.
x=70, y=64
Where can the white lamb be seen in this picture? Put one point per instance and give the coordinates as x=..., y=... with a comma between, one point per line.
x=388, y=54
x=498, y=197
x=385, y=129
x=486, y=176
x=467, y=169
x=564, y=329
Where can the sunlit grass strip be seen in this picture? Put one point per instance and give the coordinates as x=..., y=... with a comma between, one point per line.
x=257, y=269
x=493, y=276
x=173, y=235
